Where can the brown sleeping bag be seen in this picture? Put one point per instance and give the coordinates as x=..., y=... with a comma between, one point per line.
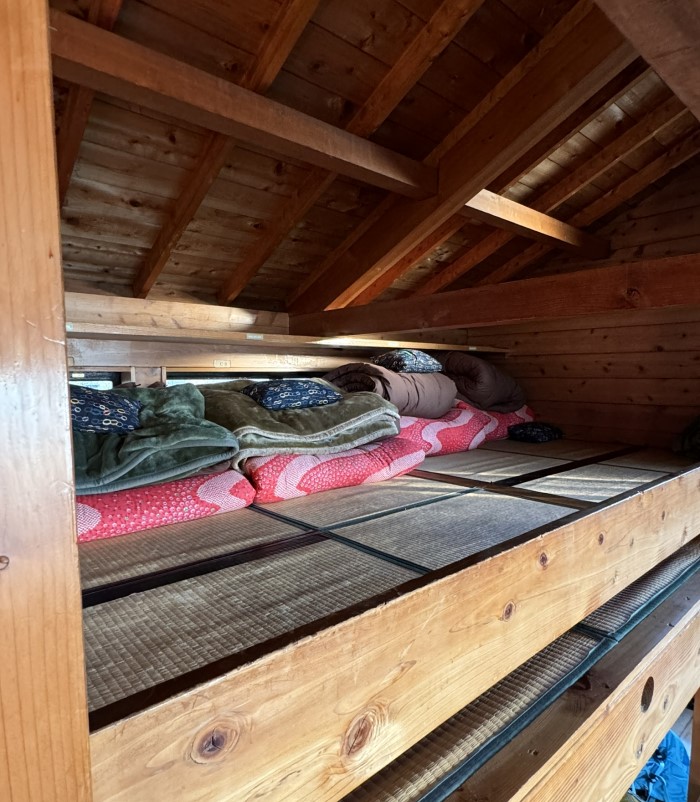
x=481, y=384
x=422, y=395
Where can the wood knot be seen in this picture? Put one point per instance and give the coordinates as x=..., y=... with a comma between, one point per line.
x=543, y=560
x=4, y=562
x=508, y=611
x=601, y=538
x=362, y=730
x=633, y=296
x=216, y=742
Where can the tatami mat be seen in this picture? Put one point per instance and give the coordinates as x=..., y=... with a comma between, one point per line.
x=556, y=449
x=349, y=503
x=139, y=641
x=652, y=459
x=439, y=534
x=417, y=771
x=488, y=466
x=117, y=558
x=617, y=613
x=593, y=482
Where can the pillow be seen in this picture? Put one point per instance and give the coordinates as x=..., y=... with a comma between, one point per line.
x=534, y=432
x=461, y=429
x=408, y=360
x=291, y=394
x=287, y=476
x=125, y=511
x=102, y=411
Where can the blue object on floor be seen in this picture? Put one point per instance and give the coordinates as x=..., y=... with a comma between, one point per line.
x=665, y=776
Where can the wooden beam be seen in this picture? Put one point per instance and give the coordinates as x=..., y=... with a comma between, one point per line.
x=560, y=134
x=667, y=35
x=623, y=192
x=495, y=210
x=666, y=114
x=559, y=755
x=568, y=72
x=124, y=69
x=443, y=26
x=43, y=715
x=279, y=40
x=383, y=678
x=650, y=284
x=78, y=104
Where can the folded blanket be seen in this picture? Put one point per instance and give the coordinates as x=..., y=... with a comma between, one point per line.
x=482, y=384
x=174, y=441
x=425, y=395
x=294, y=475
x=357, y=419
x=113, y=514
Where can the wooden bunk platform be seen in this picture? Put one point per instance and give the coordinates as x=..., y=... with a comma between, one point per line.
x=188, y=622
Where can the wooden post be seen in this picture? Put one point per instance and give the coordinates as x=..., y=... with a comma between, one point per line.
x=43, y=722
x=694, y=786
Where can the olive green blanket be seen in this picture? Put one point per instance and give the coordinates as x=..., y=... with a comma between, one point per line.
x=358, y=419
x=174, y=441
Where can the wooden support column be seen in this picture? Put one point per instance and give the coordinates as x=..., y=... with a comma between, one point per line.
x=43, y=720
x=694, y=785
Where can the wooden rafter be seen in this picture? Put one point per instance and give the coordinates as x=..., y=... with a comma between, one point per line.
x=551, y=199
x=657, y=169
x=133, y=73
x=584, y=54
x=276, y=47
x=79, y=102
x=667, y=35
x=445, y=23
x=574, y=122
x=648, y=284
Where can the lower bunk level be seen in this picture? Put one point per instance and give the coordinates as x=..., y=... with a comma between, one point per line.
x=292, y=651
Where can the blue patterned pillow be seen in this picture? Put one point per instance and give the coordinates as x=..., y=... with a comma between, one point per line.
x=408, y=360
x=102, y=411
x=291, y=394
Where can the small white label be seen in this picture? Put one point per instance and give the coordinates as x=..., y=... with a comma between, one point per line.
x=77, y=375
x=255, y=336
x=222, y=363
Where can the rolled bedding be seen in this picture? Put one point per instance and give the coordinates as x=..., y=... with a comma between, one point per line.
x=357, y=419
x=482, y=384
x=423, y=395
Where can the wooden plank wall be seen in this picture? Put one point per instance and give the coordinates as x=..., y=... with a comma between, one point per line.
x=665, y=224
x=631, y=377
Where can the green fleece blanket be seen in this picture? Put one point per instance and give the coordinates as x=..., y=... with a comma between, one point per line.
x=174, y=441
x=358, y=419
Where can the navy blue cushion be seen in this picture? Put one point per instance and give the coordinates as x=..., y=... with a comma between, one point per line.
x=408, y=360
x=291, y=394
x=534, y=432
x=102, y=411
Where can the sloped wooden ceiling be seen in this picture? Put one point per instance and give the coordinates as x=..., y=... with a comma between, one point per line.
x=499, y=121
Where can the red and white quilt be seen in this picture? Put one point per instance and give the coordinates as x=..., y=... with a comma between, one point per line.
x=125, y=511
x=287, y=476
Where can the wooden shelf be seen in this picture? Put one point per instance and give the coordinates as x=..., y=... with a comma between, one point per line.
x=252, y=340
